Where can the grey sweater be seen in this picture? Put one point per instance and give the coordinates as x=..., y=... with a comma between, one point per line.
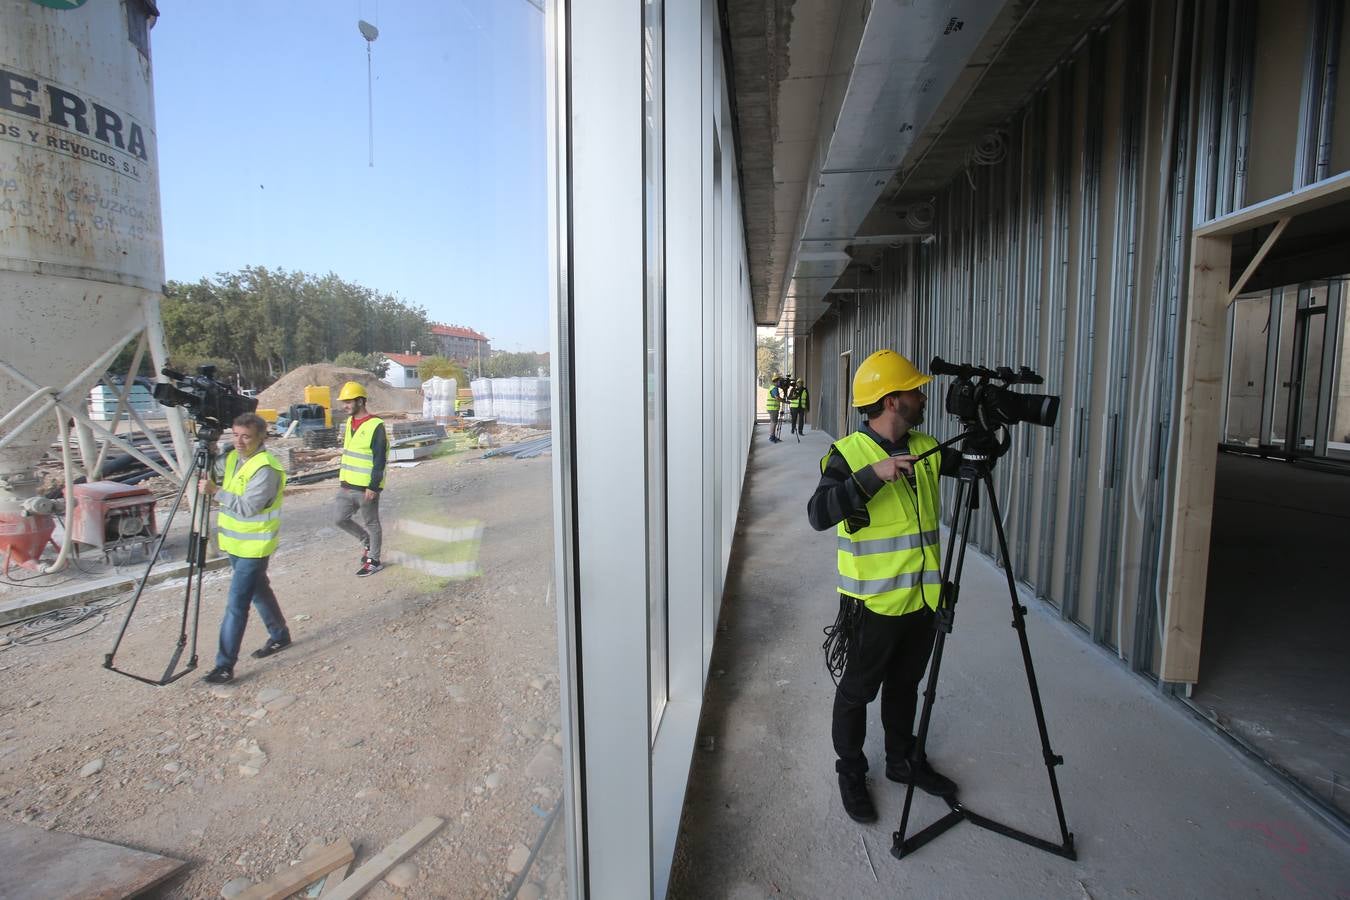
x=258, y=495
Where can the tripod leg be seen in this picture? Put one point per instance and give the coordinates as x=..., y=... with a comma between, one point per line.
x=1019, y=623
x=188, y=479
x=964, y=507
x=201, y=519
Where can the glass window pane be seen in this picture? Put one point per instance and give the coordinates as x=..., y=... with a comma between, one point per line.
x=654, y=181
x=337, y=198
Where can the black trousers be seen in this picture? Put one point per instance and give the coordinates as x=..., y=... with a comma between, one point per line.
x=797, y=416
x=889, y=653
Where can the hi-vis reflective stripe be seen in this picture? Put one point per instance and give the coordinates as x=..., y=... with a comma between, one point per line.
x=887, y=545
x=246, y=535
x=260, y=517
x=365, y=471
x=882, y=585
x=359, y=455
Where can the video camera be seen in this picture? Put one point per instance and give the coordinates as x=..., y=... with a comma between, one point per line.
x=982, y=405
x=213, y=404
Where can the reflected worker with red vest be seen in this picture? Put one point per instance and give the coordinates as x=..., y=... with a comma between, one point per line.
x=884, y=509
x=365, y=450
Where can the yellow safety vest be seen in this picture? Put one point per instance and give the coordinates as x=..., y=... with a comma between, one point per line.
x=772, y=404
x=357, y=458
x=799, y=401
x=250, y=536
x=894, y=564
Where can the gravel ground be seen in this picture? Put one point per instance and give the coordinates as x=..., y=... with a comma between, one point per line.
x=404, y=695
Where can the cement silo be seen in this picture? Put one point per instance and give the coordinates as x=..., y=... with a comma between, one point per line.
x=81, y=248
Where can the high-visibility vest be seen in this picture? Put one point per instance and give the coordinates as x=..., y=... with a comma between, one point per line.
x=772, y=404
x=894, y=564
x=358, y=460
x=799, y=401
x=250, y=536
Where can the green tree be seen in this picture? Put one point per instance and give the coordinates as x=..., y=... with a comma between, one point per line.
x=439, y=366
x=504, y=364
x=374, y=363
x=268, y=321
x=770, y=359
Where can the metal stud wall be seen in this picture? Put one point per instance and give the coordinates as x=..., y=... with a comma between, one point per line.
x=1068, y=251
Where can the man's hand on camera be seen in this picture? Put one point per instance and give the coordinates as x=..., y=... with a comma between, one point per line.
x=892, y=467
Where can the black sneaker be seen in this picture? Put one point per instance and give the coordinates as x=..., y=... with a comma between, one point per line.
x=271, y=647
x=930, y=780
x=219, y=675
x=370, y=568
x=857, y=801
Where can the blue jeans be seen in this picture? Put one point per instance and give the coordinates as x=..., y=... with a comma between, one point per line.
x=248, y=583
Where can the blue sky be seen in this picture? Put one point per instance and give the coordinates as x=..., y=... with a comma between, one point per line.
x=260, y=110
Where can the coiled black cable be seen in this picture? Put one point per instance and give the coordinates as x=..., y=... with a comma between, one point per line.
x=841, y=636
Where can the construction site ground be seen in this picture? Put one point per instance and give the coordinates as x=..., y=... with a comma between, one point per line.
x=404, y=695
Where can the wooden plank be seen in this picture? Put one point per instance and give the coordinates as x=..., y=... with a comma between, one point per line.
x=1315, y=196
x=1247, y=273
x=365, y=877
x=290, y=879
x=334, y=879
x=40, y=864
x=1197, y=450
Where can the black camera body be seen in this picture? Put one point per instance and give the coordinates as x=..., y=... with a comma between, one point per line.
x=981, y=404
x=213, y=404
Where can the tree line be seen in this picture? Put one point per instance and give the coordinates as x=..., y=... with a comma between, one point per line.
x=259, y=323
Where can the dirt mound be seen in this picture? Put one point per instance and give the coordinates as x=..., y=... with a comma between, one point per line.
x=290, y=388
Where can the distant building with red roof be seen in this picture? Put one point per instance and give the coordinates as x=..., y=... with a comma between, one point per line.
x=460, y=343
x=401, y=369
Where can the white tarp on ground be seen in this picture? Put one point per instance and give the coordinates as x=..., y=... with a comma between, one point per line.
x=438, y=399
x=512, y=401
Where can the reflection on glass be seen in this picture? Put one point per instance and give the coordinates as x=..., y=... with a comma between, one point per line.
x=654, y=187
x=425, y=688
x=1338, y=438
x=1247, y=372
x=1288, y=308
x=1311, y=377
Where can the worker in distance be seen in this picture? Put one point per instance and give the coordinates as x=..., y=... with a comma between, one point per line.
x=884, y=508
x=247, y=483
x=365, y=451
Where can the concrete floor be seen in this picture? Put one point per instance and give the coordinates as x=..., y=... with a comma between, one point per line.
x=1274, y=665
x=1160, y=805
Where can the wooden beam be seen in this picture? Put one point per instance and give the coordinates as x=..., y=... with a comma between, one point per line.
x=1314, y=196
x=1260, y=256
x=333, y=879
x=290, y=879
x=1197, y=450
x=365, y=877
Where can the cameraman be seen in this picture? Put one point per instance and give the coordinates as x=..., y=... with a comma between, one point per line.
x=248, y=483
x=885, y=511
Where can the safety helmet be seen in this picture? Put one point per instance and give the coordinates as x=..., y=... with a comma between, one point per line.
x=882, y=373
x=351, y=390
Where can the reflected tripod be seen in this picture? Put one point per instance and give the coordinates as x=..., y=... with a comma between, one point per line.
x=203, y=460
x=978, y=452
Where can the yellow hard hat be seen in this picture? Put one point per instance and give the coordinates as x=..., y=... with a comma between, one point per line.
x=351, y=390
x=882, y=373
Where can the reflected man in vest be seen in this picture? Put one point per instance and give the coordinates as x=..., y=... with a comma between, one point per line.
x=884, y=508
x=799, y=404
x=773, y=406
x=365, y=447
x=248, y=483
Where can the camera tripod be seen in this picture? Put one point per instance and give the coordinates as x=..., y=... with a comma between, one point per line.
x=977, y=456
x=203, y=460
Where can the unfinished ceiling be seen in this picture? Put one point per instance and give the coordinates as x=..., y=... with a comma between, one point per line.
x=852, y=115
